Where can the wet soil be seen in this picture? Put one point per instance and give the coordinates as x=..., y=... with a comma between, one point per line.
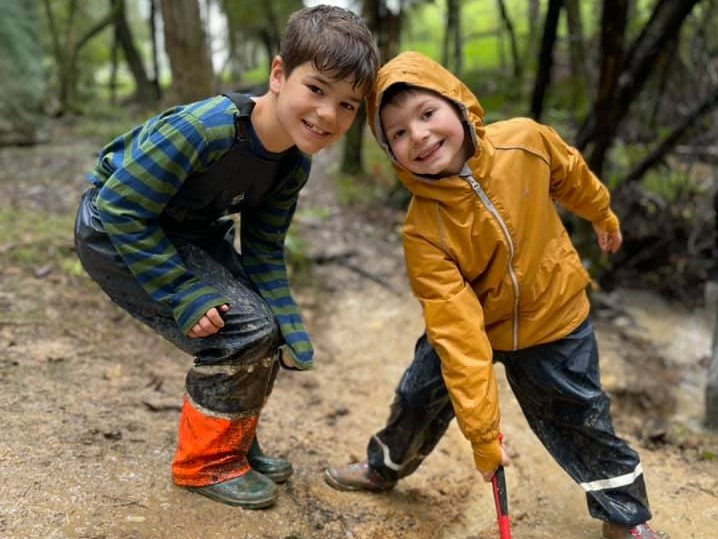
x=89, y=399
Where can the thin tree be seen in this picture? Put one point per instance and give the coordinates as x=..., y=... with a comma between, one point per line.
x=155, y=49
x=145, y=91
x=66, y=52
x=452, y=46
x=580, y=74
x=186, y=46
x=385, y=24
x=516, y=68
x=624, y=74
x=548, y=41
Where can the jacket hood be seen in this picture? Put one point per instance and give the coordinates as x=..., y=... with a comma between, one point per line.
x=420, y=71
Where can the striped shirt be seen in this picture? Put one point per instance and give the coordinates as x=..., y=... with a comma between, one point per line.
x=139, y=172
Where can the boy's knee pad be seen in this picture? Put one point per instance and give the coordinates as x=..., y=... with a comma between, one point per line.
x=234, y=388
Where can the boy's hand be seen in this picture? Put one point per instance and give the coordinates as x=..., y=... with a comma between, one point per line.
x=210, y=323
x=505, y=461
x=609, y=242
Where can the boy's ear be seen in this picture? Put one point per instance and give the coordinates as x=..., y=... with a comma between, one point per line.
x=276, y=74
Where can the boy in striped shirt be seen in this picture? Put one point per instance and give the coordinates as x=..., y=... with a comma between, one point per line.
x=153, y=232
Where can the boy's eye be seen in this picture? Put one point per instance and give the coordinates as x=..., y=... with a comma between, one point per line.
x=397, y=134
x=428, y=113
x=315, y=89
x=350, y=107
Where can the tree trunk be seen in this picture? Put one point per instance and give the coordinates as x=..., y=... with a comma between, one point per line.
x=66, y=54
x=186, y=46
x=451, y=31
x=533, y=15
x=605, y=114
x=353, y=145
x=114, y=67
x=144, y=89
x=155, y=50
x=548, y=41
x=386, y=28
x=621, y=81
x=516, y=62
x=581, y=84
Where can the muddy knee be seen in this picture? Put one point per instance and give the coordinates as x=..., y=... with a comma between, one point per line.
x=238, y=388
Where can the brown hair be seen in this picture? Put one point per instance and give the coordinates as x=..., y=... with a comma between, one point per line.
x=336, y=40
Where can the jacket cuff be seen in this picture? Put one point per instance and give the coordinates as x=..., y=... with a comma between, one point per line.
x=487, y=456
x=610, y=223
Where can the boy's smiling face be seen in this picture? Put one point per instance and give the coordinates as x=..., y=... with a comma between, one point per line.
x=313, y=109
x=425, y=133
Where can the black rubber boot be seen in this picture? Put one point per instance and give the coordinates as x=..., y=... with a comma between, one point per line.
x=250, y=491
x=276, y=468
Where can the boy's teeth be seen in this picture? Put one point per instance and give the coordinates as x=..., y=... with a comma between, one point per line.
x=315, y=129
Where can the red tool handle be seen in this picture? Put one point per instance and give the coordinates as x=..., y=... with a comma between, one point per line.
x=498, y=482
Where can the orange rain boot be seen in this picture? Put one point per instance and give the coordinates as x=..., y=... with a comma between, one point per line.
x=211, y=459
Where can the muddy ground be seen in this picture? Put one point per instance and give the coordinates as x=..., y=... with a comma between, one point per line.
x=89, y=399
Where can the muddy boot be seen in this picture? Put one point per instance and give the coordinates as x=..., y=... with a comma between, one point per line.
x=359, y=476
x=276, y=468
x=250, y=491
x=642, y=531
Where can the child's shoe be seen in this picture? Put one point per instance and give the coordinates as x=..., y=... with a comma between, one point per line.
x=251, y=491
x=617, y=531
x=359, y=476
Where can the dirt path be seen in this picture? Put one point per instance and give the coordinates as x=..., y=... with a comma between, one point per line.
x=89, y=399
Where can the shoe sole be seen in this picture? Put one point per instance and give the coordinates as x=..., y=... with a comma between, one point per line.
x=250, y=504
x=334, y=482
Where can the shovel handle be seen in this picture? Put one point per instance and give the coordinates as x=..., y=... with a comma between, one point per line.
x=498, y=483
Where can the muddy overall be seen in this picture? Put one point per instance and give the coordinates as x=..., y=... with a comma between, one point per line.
x=558, y=388
x=233, y=371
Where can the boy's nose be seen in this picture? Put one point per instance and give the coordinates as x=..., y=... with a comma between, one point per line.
x=418, y=135
x=328, y=114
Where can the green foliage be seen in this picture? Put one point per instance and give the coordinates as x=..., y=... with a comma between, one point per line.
x=22, y=82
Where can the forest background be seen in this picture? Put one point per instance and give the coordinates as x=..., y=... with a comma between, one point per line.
x=633, y=84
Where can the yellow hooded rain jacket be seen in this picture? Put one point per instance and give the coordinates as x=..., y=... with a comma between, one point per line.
x=487, y=254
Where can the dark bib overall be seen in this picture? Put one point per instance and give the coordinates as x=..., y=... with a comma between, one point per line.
x=234, y=369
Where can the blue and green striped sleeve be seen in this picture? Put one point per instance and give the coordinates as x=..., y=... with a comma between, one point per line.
x=143, y=170
x=263, y=232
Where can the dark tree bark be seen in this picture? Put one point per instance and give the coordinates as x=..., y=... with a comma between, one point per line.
x=114, y=66
x=452, y=46
x=623, y=76
x=145, y=92
x=155, y=49
x=186, y=46
x=353, y=145
x=516, y=68
x=603, y=120
x=533, y=14
x=689, y=123
x=543, y=74
x=386, y=27
x=577, y=52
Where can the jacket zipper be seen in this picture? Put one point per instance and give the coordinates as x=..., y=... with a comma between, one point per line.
x=466, y=174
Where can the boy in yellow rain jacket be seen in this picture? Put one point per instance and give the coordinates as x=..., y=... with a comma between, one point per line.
x=498, y=280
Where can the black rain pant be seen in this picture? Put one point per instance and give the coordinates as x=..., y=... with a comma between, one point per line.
x=558, y=388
